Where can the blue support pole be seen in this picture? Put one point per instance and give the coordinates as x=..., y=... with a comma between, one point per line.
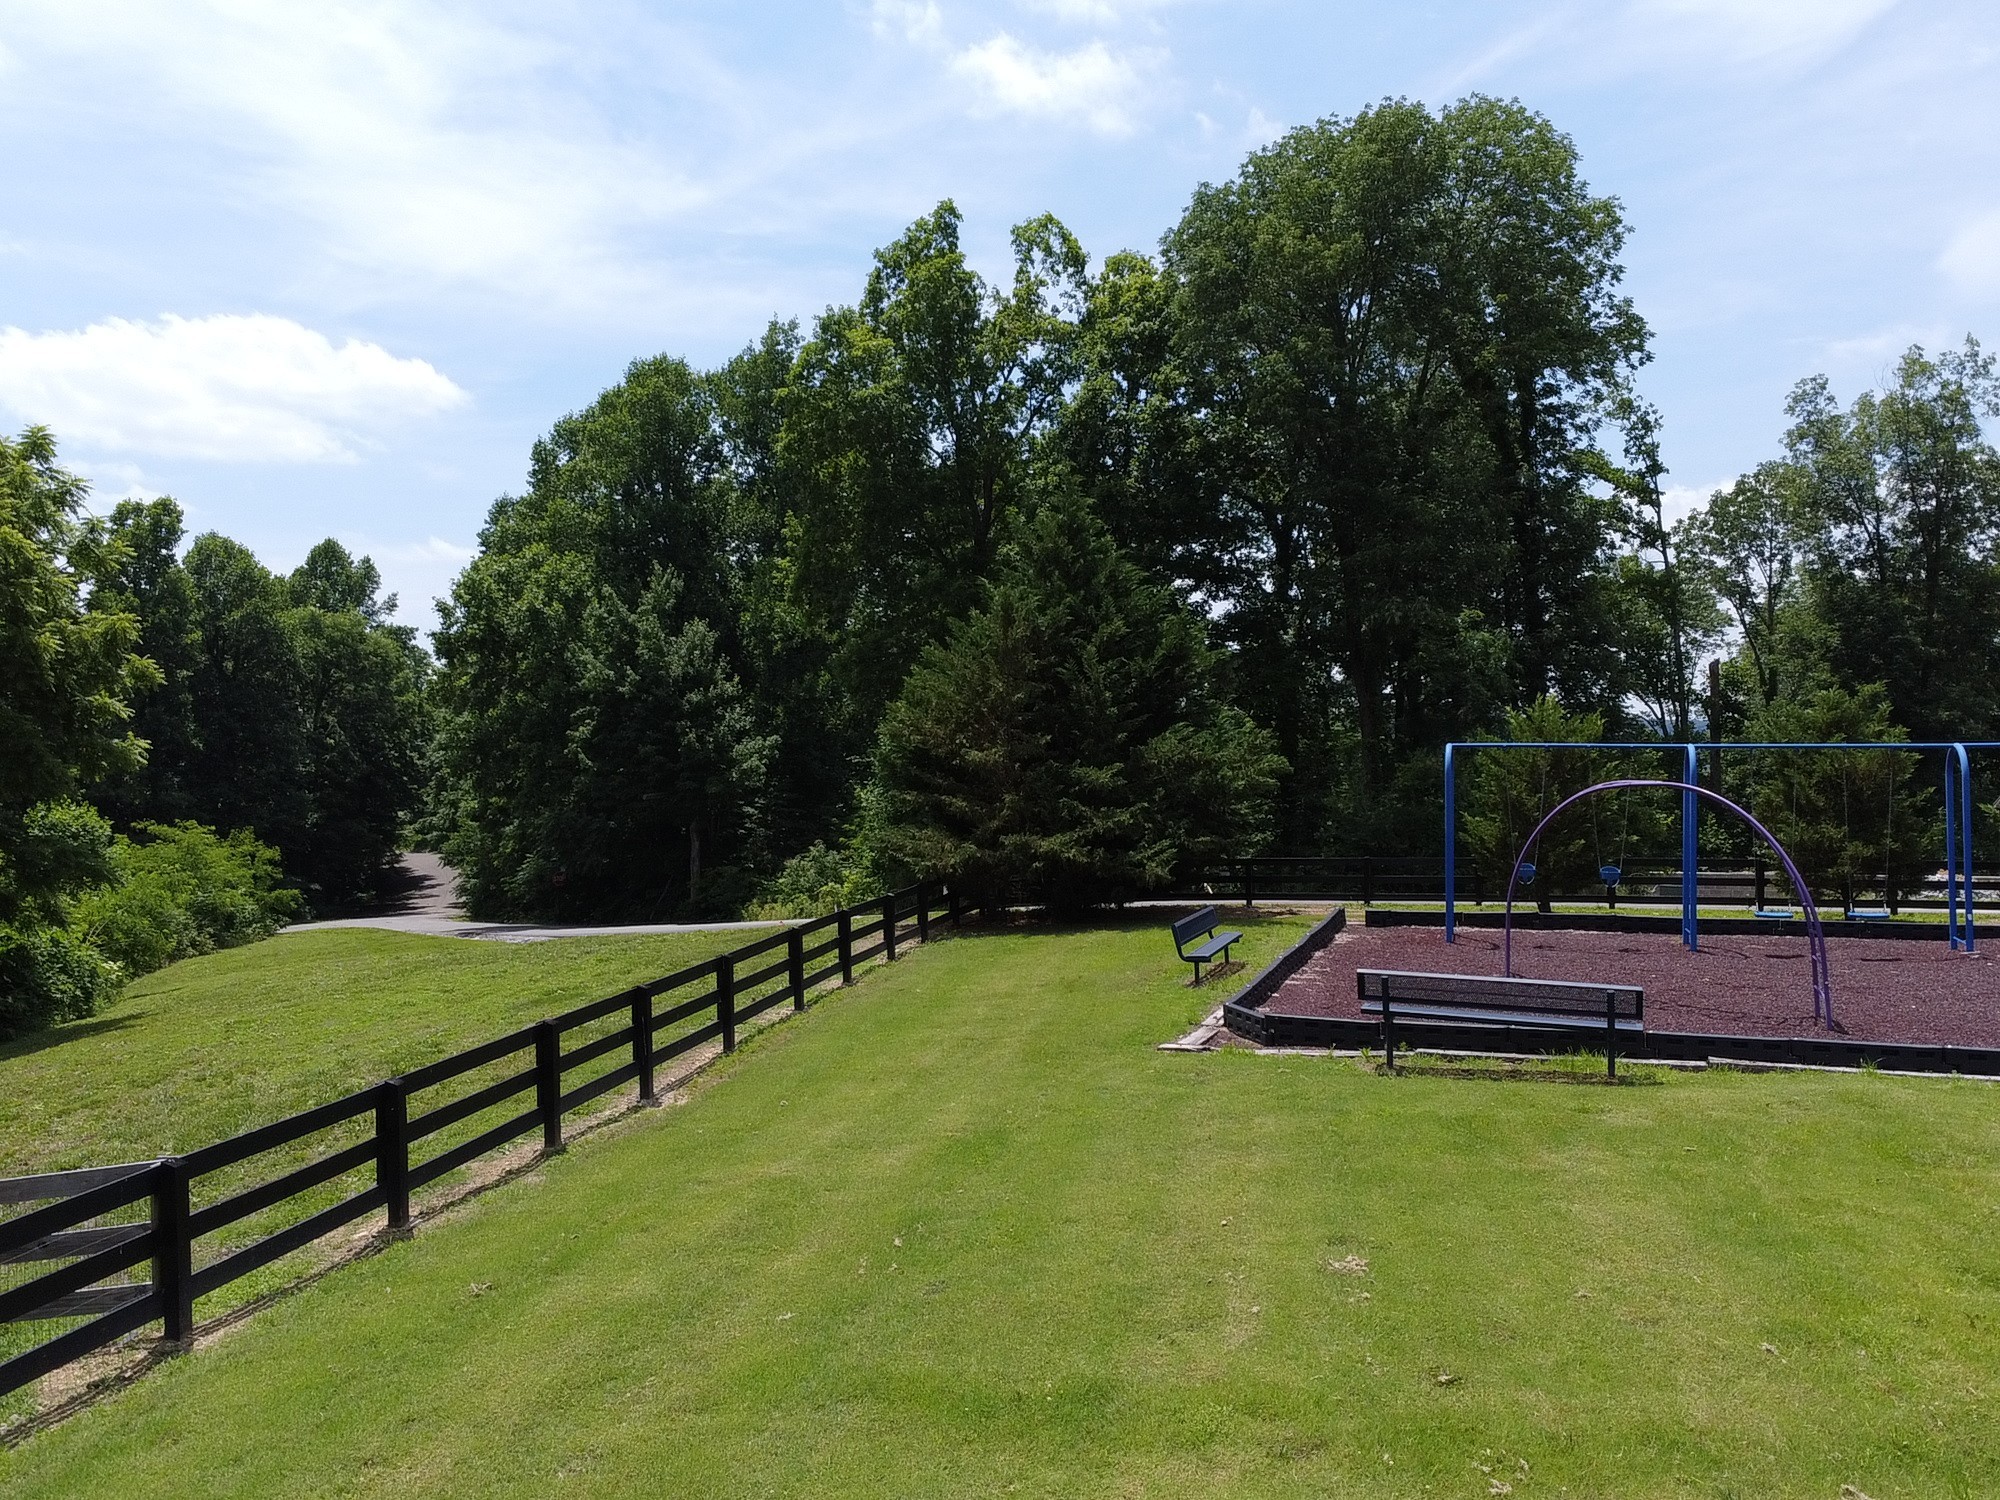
x=1951, y=850
x=1970, y=938
x=1690, y=888
x=1450, y=849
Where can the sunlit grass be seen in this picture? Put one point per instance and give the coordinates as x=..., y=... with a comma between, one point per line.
x=963, y=1231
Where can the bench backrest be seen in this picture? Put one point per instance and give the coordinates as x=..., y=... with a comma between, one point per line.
x=1555, y=997
x=1201, y=924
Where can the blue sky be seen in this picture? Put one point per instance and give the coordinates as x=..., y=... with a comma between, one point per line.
x=331, y=268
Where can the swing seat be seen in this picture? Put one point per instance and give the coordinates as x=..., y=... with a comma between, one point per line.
x=1527, y=874
x=1868, y=914
x=1610, y=874
x=1775, y=914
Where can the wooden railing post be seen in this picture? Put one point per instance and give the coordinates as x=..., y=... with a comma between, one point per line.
x=392, y=1153
x=173, y=1250
x=725, y=1000
x=923, y=912
x=846, y=946
x=795, y=960
x=889, y=928
x=548, y=1084
x=951, y=905
x=642, y=1043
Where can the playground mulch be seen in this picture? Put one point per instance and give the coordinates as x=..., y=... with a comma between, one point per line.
x=1884, y=989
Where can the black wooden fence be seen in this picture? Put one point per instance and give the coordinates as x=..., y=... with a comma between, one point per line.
x=1372, y=878
x=400, y=1123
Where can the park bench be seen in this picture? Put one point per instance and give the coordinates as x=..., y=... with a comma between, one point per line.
x=1599, y=1010
x=1202, y=925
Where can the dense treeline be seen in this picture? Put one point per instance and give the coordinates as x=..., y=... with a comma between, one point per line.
x=1055, y=583
x=1367, y=426
x=196, y=748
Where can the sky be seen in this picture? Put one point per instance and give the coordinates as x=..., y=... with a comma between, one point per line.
x=330, y=269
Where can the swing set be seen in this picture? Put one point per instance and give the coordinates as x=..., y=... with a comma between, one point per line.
x=1686, y=778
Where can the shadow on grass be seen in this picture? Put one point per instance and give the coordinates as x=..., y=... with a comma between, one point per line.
x=1578, y=1069
x=56, y=1036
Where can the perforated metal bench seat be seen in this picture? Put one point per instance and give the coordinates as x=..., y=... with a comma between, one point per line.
x=1499, y=1017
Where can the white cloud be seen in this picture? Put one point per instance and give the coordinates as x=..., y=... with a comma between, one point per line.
x=417, y=138
x=1678, y=501
x=431, y=550
x=1972, y=256
x=1091, y=84
x=1647, y=36
x=232, y=388
x=918, y=21
x=1096, y=12
x=1761, y=30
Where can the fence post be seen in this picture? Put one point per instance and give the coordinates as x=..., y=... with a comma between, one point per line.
x=642, y=1042
x=951, y=905
x=923, y=913
x=846, y=946
x=548, y=1084
x=889, y=928
x=795, y=957
x=392, y=1152
x=725, y=1000
x=173, y=1251
x=1367, y=881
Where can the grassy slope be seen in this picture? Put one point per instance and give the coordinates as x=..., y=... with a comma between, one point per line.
x=1113, y=1278
x=215, y=1045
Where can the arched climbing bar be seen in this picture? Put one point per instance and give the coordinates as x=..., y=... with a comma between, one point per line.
x=1822, y=986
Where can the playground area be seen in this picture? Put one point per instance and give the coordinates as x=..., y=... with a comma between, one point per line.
x=1915, y=991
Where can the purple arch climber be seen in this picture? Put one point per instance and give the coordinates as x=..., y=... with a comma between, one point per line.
x=1822, y=988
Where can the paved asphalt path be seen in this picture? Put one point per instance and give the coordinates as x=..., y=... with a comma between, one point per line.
x=426, y=901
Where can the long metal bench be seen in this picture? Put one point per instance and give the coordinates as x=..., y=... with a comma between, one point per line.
x=1599, y=1010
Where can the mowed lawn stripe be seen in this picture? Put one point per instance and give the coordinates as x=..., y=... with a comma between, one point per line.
x=1131, y=1272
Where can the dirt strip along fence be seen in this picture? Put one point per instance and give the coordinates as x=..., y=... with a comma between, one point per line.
x=197, y=1223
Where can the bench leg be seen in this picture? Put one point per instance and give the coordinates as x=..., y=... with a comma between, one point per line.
x=1388, y=1036
x=1611, y=1040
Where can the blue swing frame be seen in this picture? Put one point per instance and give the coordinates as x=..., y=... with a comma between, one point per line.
x=1957, y=815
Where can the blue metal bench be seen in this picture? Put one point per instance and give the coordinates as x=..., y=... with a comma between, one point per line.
x=1602, y=1010
x=1202, y=925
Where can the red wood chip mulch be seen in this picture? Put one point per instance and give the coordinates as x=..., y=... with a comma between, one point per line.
x=1884, y=989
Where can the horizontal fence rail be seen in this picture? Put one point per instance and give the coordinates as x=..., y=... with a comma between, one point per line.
x=1372, y=878
x=388, y=1140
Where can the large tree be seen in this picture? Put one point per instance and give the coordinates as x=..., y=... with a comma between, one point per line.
x=288, y=706
x=908, y=424
x=1900, y=493
x=1070, y=743
x=1392, y=340
x=67, y=676
x=598, y=751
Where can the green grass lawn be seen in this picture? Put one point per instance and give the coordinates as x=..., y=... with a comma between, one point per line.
x=963, y=1231
x=218, y=1045
x=213, y=1046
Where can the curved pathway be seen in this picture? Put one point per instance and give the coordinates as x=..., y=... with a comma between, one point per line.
x=426, y=902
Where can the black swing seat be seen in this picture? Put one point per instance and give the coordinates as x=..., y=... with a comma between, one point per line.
x=1601, y=1010
x=1202, y=925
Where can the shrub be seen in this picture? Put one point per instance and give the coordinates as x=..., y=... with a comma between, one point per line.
x=813, y=883
x=48, y=974
x=183, y=890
